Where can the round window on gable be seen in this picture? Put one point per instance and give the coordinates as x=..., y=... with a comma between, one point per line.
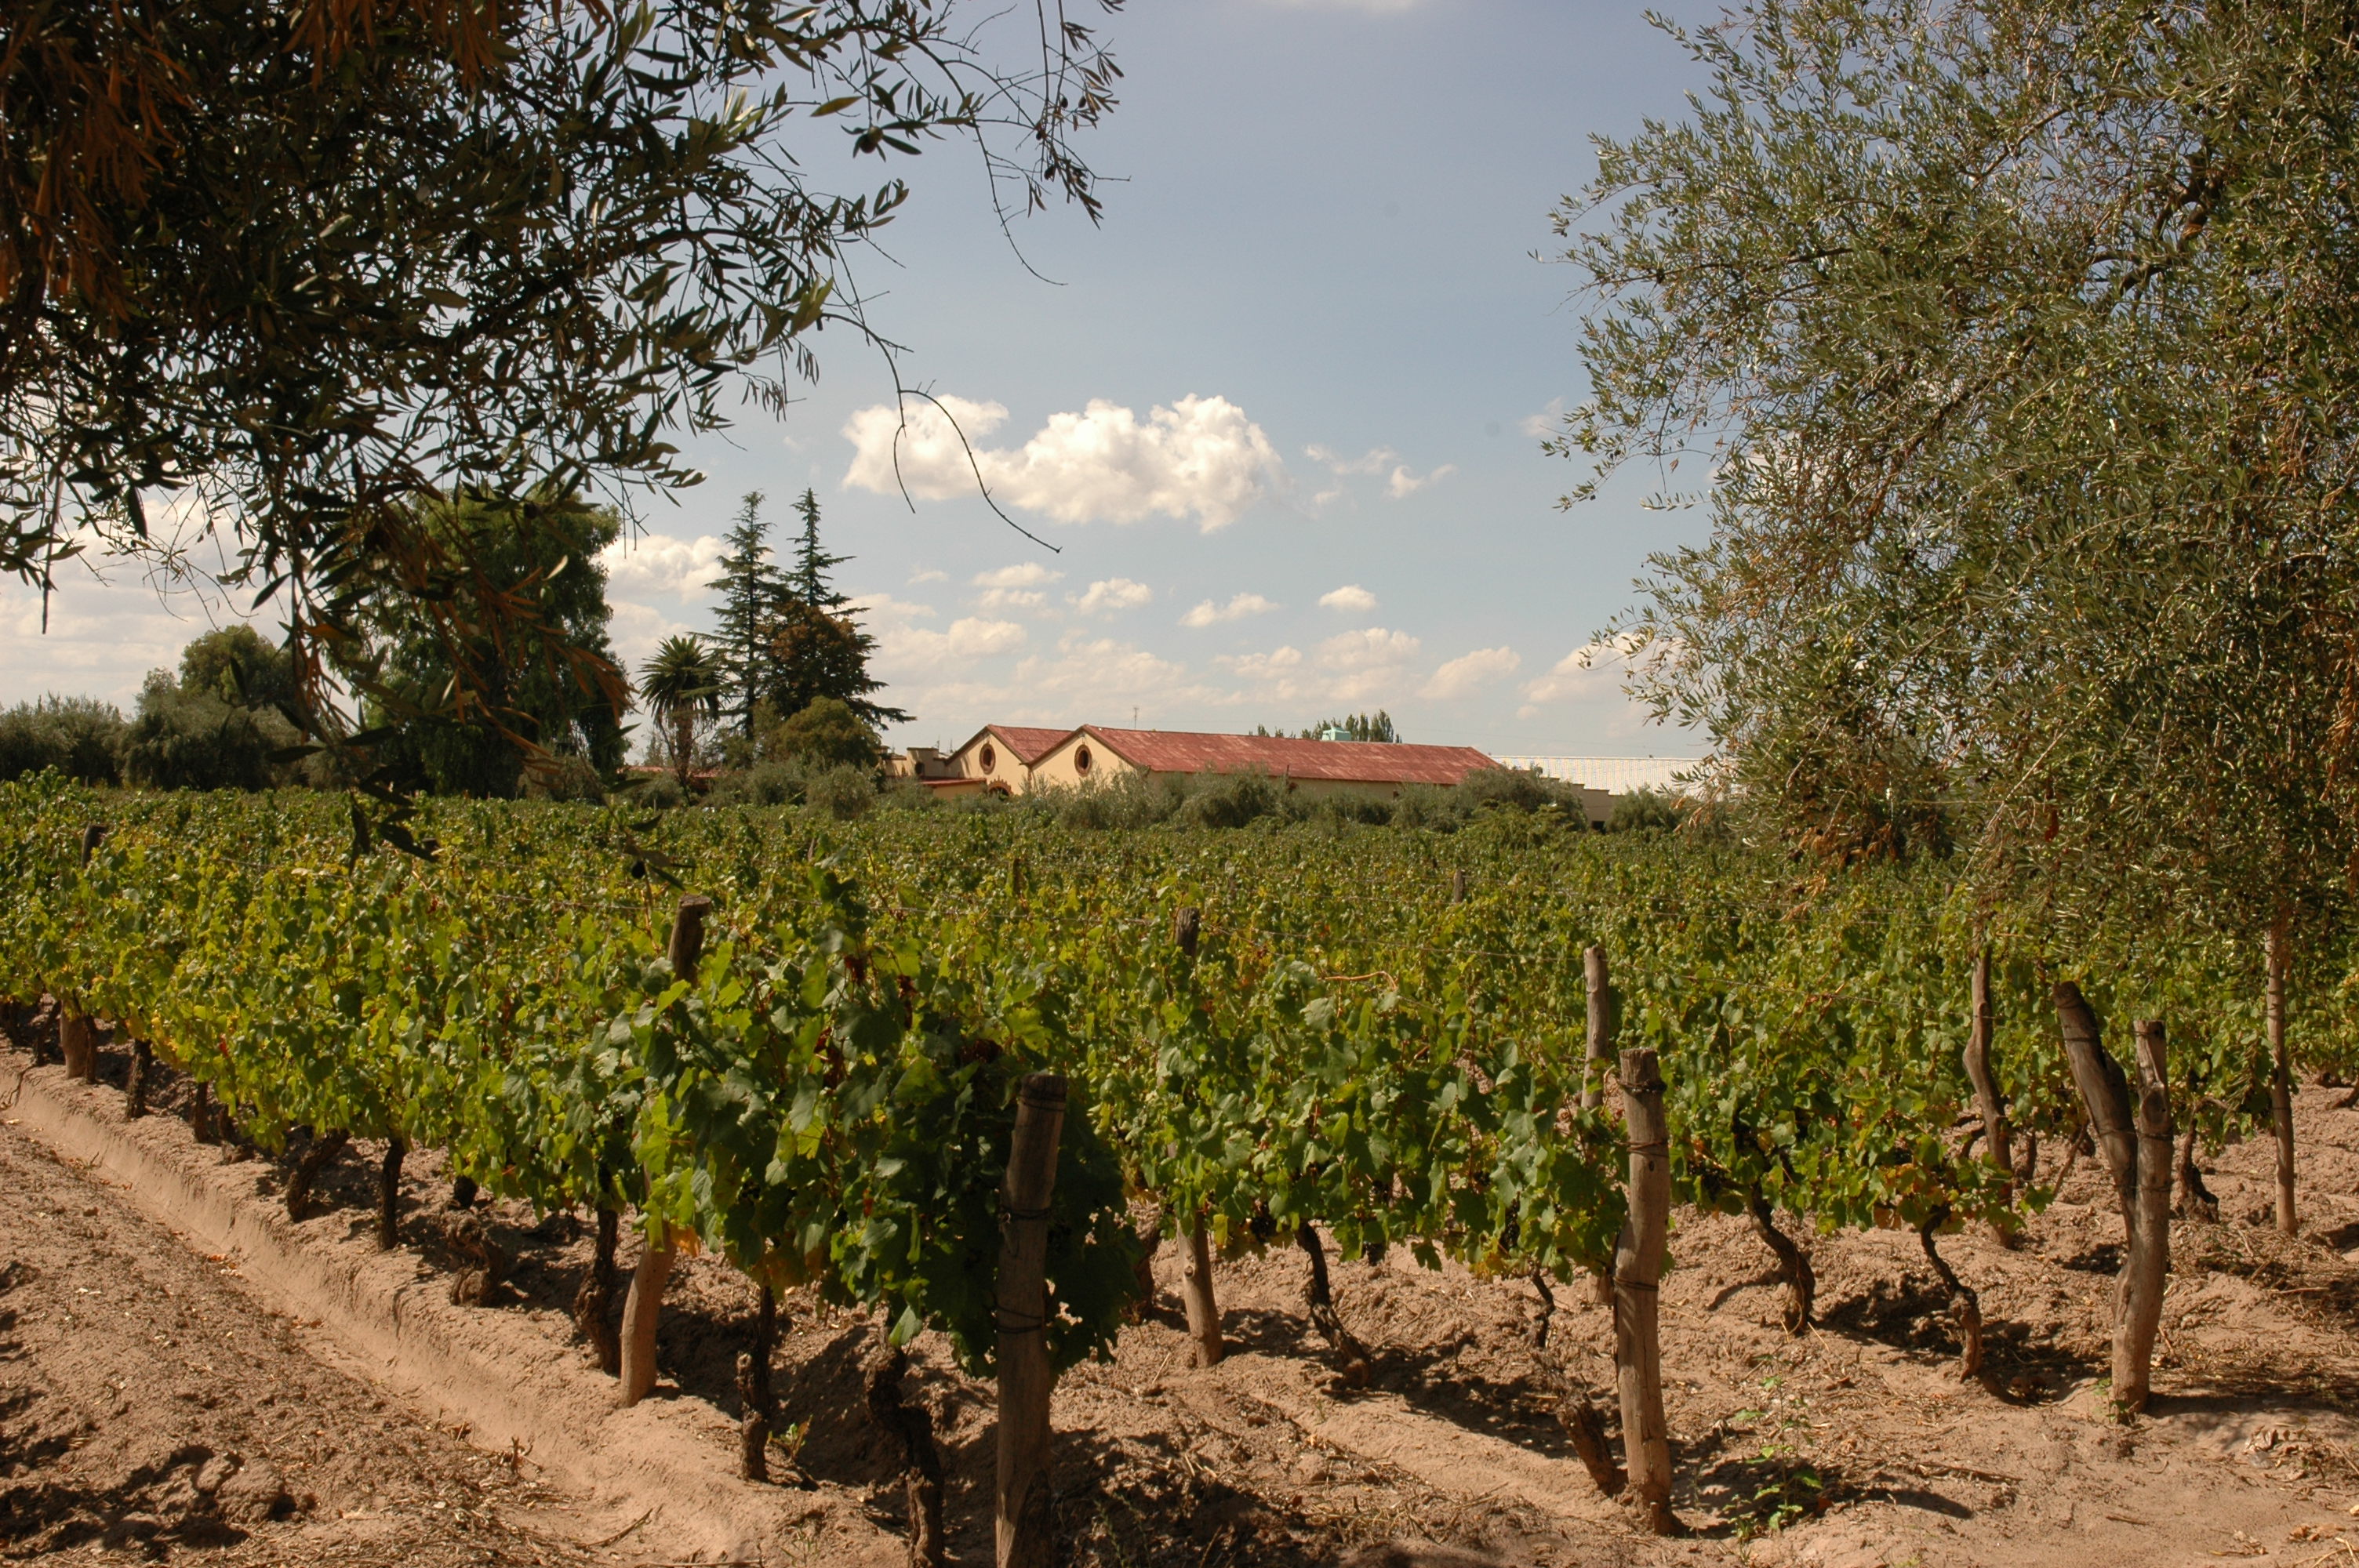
x=1081, y=760
x=987, y=757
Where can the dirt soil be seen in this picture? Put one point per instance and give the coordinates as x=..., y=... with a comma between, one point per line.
x=151, y=1407
x=152, y=1403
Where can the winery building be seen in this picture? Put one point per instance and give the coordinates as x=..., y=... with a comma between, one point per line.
x=1012, y=759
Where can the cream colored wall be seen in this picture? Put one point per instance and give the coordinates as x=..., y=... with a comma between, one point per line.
x=1056, y=771
x=1006, y=772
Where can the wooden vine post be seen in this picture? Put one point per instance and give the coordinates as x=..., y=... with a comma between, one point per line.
x=1600, y=1022
x=644, y=1306
x=1998, y=1139
x=1025, y=1520
x=2281, y=1076
x=1637, y=1271
x=1599, y=1019
x=2133, y=1135
x=1196, y=1269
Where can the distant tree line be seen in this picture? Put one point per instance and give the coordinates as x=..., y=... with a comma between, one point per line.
x=785, y=679
x=1358, y=726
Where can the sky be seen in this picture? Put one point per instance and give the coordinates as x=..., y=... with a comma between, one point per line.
x=1278, y=415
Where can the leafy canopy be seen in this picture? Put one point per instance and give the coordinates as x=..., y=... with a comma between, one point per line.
x=284, y=274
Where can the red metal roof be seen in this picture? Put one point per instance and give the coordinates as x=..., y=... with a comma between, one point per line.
x=1029, y=744
x=1340, y=761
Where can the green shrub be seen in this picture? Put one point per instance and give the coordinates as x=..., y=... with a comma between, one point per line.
x=79, y=736
x=1521, y=789
x=1232, y=801
x=826, y=734
x=843, y=792
x=1645, y=811
x=657, y=792
x=193, y=740
x=907, y=794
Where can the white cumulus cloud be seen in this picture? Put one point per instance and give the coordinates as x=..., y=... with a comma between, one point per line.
x=1367, y=649
x=1545, y=423
x=908, y=648
x=1592, y=669
x=1351, y=597
x=1367, y=664
x=1097, y=676
x=1403, y=482
x=1111, y=594
x=1198, y=458
x=1376, y=460
x=1031, y=574
x=1236, y=609
x=1014, y=588
x=1279, y=665
x=658, y=563
x=1468, y=671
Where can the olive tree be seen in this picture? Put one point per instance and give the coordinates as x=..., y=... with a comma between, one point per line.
x=2004, y=344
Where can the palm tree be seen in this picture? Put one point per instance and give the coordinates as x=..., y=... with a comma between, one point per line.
x=680, y=683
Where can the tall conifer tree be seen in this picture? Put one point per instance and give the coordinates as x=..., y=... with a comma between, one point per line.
x=750, y=589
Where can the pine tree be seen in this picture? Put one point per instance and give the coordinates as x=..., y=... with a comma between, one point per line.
x=812, y=563
x=750, y=589
x=813, y=648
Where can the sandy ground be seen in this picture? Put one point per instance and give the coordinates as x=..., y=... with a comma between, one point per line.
x=153, y=1403
x=151, y=1407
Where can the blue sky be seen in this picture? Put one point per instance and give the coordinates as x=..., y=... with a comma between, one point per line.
x=1278, y=412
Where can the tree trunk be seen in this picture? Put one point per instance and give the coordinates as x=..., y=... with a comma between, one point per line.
x=1149, y=1237
x=2195, y=1199
x=77, y=1043
x=388, y=1196
x=1962, y=1298
x=1186, y=926
x=1196, y=1296
x=921, y=1470
x=1023, y=1515
x=1637, y=1271
x=594, y=1308
x=2105, y=1092
x=200, y=1114
x=754, y=1393
x=1584, y=1422
x=1998, y=1137
x=643, y=1309
x=2145, y=1270
x=1458, y=885
x=1351, y=1358
x=2134, y=1138
x=135, y=1082
x=2281, y=1076
x=323, y=1149
x=1793, y=1264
